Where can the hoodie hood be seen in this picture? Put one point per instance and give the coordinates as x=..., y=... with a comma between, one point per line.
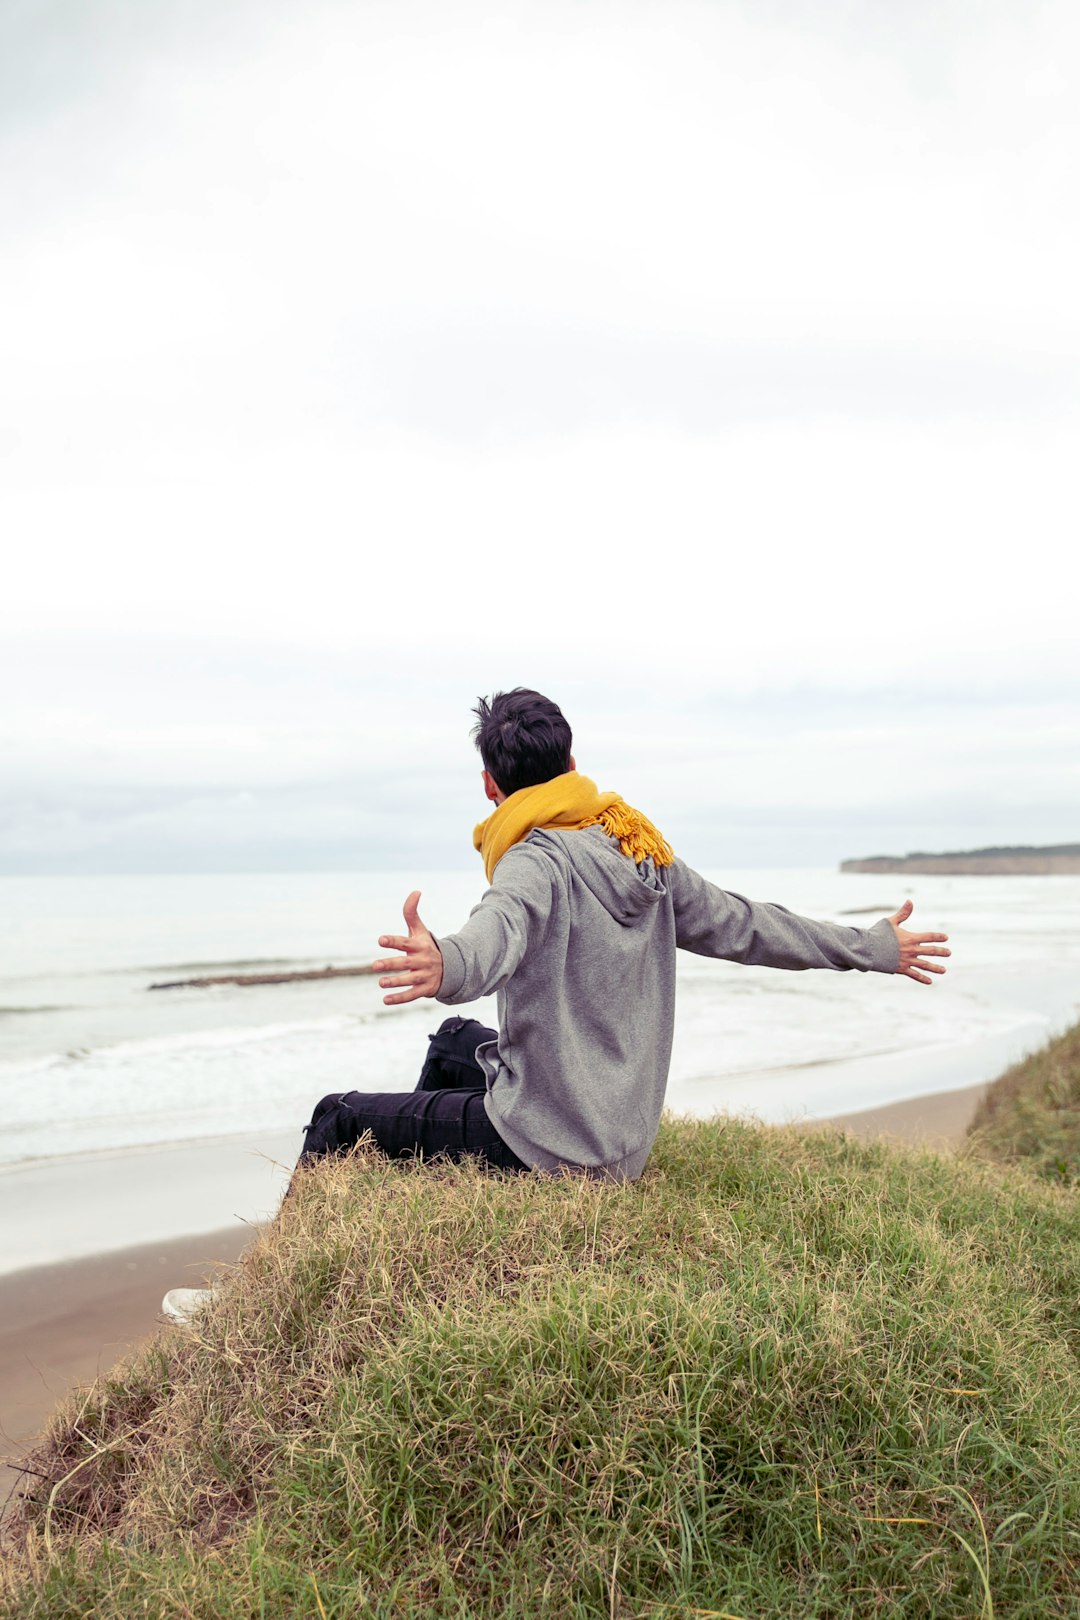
x=627, y=891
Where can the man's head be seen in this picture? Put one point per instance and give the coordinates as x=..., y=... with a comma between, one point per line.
x=523, y=740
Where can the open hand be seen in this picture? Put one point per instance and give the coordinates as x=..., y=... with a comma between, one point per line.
x=915, y=948
x=421, y=968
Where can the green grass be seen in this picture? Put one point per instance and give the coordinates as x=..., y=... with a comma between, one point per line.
x=1031, y=1114
x=783, y=1375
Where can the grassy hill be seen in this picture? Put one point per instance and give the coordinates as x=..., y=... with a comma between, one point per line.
x=1031, y=1115
x=783, y=1375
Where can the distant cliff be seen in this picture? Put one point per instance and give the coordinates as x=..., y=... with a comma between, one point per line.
x=1006, y=861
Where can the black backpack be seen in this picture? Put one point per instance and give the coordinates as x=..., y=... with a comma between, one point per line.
x=451, y=1055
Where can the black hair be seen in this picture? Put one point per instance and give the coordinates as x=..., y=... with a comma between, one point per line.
x=523, y=738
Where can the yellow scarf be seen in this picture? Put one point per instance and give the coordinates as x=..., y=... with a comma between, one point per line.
x=568, y=802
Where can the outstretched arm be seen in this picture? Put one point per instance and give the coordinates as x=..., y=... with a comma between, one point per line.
x=713, y=922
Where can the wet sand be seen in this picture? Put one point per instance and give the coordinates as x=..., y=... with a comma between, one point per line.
x=63, y=1324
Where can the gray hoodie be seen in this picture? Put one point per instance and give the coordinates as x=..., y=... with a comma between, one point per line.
x=580, y=944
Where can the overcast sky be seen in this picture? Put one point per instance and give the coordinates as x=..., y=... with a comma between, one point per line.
x=712, y=367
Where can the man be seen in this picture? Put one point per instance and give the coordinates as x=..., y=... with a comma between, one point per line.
x=577, y=933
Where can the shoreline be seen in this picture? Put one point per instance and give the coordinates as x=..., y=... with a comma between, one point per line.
x=156, y=1192
x=64, y=1323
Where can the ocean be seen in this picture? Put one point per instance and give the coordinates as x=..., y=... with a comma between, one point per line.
x=92, y=1059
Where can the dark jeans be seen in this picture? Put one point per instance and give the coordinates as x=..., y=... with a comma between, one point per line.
x=445, y=1114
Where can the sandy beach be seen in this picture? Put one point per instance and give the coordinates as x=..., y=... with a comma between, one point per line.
x=939, y=1121
x=63, y=1324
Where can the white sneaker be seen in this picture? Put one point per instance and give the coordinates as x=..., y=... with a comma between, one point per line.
x=184, y=1304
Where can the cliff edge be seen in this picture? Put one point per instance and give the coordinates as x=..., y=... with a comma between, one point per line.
x=1004, y=861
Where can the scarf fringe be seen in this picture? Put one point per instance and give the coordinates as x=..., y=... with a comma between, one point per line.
x=637, y=837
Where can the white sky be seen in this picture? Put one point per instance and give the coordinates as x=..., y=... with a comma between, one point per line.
x=711, y=366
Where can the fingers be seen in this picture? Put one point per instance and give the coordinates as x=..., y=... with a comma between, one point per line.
x=903, y=914
x=929, y=950
x=921, y=970
x=397, y=942
x=391, y=983
x=406, y=995
x=419, y=972
x=411, y=987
